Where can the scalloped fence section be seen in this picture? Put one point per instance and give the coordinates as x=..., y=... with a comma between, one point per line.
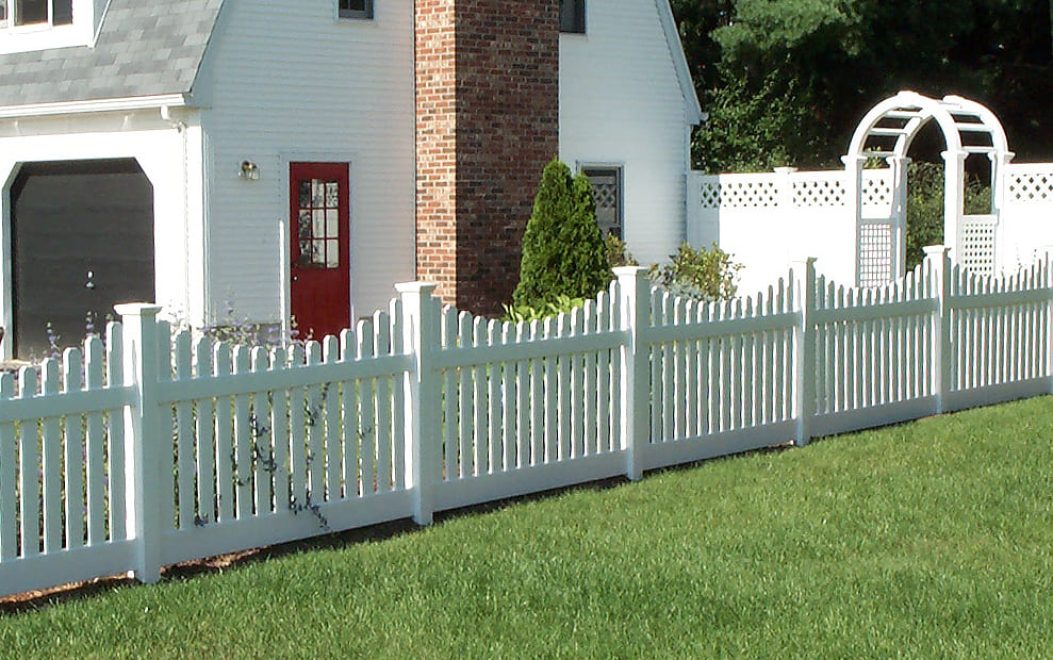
x=157, y=447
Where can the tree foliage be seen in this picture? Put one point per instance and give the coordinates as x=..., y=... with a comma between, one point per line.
x=564, y=255
x=786, y=82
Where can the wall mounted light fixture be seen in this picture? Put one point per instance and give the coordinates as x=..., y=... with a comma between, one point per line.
x=250, y=171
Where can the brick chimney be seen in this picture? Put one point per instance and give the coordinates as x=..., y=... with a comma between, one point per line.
x=487, y=74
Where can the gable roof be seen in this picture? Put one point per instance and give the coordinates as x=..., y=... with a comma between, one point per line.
x=144, y=48
x=683, y=72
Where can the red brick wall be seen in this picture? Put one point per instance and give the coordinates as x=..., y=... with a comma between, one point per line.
x=487, y=123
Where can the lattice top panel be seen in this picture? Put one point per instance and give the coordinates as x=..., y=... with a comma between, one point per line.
x=739, y=194
x=1029, y=187
x=822, y=193
x=877, y=191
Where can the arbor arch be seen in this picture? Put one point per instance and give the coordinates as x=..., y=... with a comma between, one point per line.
x=969, y=128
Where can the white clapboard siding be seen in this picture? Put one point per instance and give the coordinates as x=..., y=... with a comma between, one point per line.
x=419, y=410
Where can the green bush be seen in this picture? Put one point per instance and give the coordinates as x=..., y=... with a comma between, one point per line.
x=526, y=313
x=563, y=251
x=618, y=254
x=925, y=197
x=701, y=274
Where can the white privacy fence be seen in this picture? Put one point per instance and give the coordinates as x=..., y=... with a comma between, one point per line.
x=169, y=448
x=767, y=220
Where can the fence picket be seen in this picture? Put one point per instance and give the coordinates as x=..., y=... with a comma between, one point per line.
x=589, y=389
x=381, y=346
x=184, y=438
x=467, y=400
x=75, y=466
x=298, y=403
x=496, y=404
x=204, y=430
x=8, y=478
x=279, y=434
x=508, y=402
x=333, y=432
x=115, y=471
x=349, y=418
x=52, y=462
x=367, y=432
x=262, y=436
x=29, y=469
x=450, y=436
x=480, y=423
x=537, y=413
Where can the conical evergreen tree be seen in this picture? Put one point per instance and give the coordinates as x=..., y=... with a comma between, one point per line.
x=563, y=249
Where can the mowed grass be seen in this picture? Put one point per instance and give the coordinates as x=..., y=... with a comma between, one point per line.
x=932, y=539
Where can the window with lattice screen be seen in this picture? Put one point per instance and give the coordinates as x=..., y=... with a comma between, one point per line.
x=607, y=192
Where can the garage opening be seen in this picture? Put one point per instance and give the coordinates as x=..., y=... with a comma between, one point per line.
x=82, y=241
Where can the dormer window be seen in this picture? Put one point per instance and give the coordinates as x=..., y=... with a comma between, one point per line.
x=17, y=13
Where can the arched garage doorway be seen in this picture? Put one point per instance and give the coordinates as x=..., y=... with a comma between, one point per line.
x=82, y=240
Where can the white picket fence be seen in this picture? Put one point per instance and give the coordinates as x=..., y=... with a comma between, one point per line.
x=164, y=448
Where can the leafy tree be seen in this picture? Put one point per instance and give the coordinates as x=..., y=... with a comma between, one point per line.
x=564, y=254
x=787, y=81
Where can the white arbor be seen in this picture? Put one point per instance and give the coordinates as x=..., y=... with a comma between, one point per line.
x=887, y=132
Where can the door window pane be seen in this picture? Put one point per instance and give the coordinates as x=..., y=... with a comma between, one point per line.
x=319, y=224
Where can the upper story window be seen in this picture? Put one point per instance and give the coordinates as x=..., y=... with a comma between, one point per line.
x=356, y=8
x=17, y=13
x=572, y=16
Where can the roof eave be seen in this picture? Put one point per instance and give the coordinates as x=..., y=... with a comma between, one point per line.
x=94, y=106
x=695, y=115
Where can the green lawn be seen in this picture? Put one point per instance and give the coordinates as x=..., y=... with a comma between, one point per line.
x=932, y=539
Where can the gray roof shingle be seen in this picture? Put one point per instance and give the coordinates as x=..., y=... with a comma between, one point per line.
x=145, y=48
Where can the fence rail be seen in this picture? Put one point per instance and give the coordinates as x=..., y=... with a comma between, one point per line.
x=161, y=447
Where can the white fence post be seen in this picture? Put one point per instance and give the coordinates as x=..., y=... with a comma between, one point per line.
x=634, y=288
x=144, y=434
x=804, y=351
x=420, y=333
x=938, y=258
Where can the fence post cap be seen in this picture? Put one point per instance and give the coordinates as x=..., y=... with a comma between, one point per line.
x=936, y=250
x=137, y=309
x=628, y=271
x=423, y=288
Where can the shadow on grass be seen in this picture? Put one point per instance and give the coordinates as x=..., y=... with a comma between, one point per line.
x=37, y=600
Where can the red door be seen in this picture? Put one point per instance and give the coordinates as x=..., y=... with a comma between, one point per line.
x=320, y=269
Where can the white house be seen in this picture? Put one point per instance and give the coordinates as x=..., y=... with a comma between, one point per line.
x=265, y=160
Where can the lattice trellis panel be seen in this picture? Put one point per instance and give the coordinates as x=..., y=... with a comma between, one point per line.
x=740, y=195
x=710, y=195
x=875, y=254
x=877, y=191
x=1029, y=187
x=977, y=250
x=822, y=193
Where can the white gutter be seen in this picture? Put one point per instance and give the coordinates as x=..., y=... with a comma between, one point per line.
x=102, y=105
